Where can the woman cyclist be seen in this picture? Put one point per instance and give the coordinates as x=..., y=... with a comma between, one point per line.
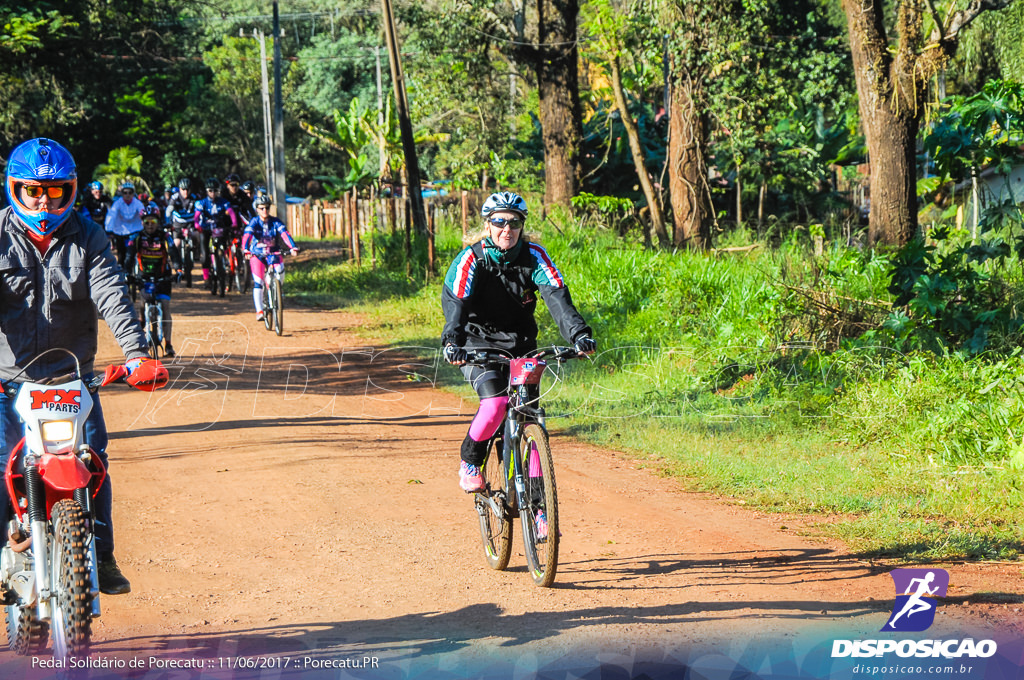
x=489, y=298
x=259, y=245
x=124, y=220
x=214, y=218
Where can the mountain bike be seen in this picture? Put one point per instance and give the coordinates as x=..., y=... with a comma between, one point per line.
x=152, y=315
x=219, y=261
x=186, y=256
x=273, y=300
x=519, y=473
x=239, y=268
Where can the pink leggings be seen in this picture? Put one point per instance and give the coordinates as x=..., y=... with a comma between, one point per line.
x=259, y=268
x=488, y=417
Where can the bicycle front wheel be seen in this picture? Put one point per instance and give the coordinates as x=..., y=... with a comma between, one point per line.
x=495, y=516
x=539, y=519
x=153, y=329
x=278, y=307
x=268, y=304
x=241, y=274
x=222, y=274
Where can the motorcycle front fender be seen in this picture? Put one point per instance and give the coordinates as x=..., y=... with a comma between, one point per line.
x=64, y=472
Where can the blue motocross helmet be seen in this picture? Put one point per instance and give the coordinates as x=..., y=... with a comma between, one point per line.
x=45, y=164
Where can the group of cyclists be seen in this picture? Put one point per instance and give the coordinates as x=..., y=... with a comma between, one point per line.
x=489, y=295
x=158, y=240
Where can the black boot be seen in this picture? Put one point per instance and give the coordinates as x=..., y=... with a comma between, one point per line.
x=112, y=581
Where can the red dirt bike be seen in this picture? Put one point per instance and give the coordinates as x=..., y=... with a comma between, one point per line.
x=48, y=567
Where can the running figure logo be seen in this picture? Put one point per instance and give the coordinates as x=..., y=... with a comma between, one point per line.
x=915, y=605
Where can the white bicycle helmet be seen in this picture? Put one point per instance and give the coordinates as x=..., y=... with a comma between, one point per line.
x=505, y=201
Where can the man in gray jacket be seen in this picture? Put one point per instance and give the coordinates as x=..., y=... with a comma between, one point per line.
x=56, y=271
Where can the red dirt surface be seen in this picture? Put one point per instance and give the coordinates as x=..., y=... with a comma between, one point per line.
x=291, y=503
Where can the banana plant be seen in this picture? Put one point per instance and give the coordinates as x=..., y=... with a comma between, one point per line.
x=123, y=164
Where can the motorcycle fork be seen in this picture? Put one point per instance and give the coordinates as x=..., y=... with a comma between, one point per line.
x=36, y=495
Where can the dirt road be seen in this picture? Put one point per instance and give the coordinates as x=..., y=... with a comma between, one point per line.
x=289, y=506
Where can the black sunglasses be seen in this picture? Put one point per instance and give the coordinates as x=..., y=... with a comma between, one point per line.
x=514, y=223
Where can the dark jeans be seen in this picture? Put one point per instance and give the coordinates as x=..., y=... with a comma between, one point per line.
x=11, y=432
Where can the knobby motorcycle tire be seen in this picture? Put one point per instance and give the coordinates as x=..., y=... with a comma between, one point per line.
x=26, y=635
x=70, y=582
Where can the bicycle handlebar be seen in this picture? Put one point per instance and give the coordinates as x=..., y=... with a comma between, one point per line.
x=479, y=357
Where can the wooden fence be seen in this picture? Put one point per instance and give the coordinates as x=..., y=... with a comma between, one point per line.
x=352, y=217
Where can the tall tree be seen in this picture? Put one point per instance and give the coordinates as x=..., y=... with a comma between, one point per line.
x=560, y=112
x=616, y=34
x=892, y=83
x=687, y=171
x=689, y=193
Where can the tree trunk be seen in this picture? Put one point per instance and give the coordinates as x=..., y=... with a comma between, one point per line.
x=739, y=198
x=687, y=170
x=637, y=151
x=892, y=155
x=761, y=193
x=890, y=88
x=560, y=111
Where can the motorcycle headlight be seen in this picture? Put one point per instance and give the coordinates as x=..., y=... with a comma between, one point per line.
x=57, y=430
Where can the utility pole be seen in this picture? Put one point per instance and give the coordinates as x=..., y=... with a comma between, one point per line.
x=279, y=188
x=268, y=124
x=382, y=142
x=405, y=125
x=519, y=23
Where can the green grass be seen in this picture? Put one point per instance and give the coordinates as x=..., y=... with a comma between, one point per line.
x=719, y=372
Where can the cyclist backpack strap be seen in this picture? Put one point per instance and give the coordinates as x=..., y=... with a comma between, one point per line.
x=514, y=277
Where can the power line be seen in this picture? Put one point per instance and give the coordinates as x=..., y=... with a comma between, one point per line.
x=238, y=18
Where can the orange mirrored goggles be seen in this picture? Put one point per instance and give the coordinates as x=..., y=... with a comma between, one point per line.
x=36, y=191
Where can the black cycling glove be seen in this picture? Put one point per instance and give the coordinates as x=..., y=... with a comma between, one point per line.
x=454, y=354
x=586, y=345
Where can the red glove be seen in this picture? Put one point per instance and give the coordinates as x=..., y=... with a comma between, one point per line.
x=146, y=374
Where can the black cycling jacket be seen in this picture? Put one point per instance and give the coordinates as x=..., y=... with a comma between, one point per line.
x=490, y=296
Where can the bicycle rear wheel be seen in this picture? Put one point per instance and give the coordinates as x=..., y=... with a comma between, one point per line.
x=495, y=520
x=539, y=519
x=278, y=307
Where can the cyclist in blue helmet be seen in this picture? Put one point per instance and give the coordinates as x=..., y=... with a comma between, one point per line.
x=96, y=203
x=489, y=298
x=59, y=277
x=124, y=220
x=181, y=213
